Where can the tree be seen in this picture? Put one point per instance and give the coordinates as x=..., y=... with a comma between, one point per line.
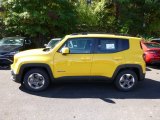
x=140, y=17
x=2, y=27
x=55, y=18
x=87, y=20
x=106, y=16
x=39, y=18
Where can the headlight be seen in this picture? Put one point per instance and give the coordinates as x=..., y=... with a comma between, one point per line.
x=12, y=53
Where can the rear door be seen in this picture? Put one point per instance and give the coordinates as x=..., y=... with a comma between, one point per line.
x=108, y=54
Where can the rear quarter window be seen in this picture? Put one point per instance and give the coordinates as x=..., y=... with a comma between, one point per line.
x=111, y=45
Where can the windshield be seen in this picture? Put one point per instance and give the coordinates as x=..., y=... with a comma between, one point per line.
x=11, y=41
x=152, y=45
x=53, y=42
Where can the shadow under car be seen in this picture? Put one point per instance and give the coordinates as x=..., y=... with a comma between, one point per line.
x=148, y=89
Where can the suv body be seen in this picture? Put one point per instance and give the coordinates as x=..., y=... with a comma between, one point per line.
x=91, y=56
x=10, y=46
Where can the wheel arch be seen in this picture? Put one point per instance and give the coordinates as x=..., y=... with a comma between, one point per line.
x=134, y=67
x=25, y=67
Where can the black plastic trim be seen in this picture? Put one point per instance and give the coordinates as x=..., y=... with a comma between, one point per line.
x=117, y=51
x=32, y=65
x=19, y=77
x=141, y=75
x=92, y=48
x=84, y=78
x=15, y=77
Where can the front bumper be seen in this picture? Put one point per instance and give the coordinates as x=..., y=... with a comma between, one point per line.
x=15, y=77
x=6, y=60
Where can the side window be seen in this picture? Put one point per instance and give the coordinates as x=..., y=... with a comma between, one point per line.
x=27, y=41
x=110, y=45
x=79, y=45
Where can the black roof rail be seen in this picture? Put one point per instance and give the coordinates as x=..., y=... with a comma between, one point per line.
x=85, y=33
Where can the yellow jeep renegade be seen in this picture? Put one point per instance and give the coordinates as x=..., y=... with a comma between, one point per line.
x=82, y=56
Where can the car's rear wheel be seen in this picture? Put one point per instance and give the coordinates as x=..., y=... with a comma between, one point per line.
x=126, y=80
x=36, y=80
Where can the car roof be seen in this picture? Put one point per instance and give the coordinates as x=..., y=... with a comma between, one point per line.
x=156, y=39
x=13, y=37
x=56, y=38
x=74, y=35
x=150, y=42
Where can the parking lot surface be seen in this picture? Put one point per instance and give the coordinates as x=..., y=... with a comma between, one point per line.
x=81, y=101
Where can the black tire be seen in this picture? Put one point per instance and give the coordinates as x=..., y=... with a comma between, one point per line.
x=41, y=73
x=119, y=81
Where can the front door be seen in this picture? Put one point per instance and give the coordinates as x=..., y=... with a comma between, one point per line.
x=77, y=62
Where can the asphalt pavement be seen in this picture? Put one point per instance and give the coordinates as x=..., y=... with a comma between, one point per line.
x=81, y=101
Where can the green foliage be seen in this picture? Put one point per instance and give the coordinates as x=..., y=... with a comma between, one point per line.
x=86, y=17
x=39, y=17
x=55, y=18
x=140, y=16
x=105, y=14
x=1, y=28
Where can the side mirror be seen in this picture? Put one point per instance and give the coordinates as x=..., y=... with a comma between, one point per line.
x=45, y=45
x=27, y=42
x=65, y=50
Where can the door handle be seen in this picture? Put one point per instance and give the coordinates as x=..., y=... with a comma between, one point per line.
x=85, y=59
x=117, y=58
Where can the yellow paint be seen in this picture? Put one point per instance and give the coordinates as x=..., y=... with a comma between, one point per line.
x=82, y=64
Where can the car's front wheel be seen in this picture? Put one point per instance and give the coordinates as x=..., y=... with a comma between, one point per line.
x=126, y=80
x=36, y=80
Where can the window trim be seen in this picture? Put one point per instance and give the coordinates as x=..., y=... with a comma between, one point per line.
x=96, y=44
x=92, y=48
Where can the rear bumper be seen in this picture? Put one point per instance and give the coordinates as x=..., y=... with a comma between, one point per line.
x=15, y=77
x=155, y=61
x=142, y=77
x=152, y=59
